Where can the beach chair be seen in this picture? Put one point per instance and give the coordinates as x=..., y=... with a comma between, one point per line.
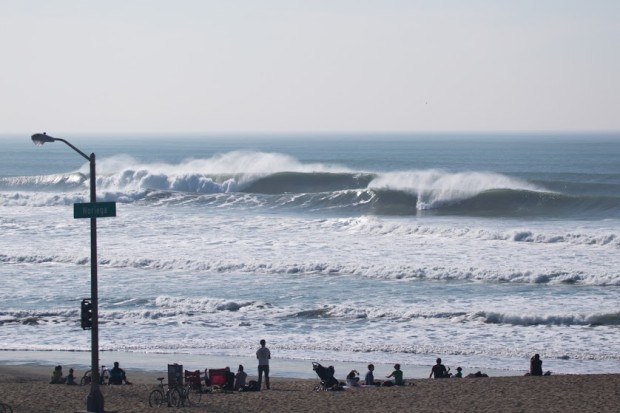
x=220, y=380
x=192, y=379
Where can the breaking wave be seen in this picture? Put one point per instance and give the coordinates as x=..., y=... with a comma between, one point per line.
x=380, y=271
x=254, y=179
x=181, y=308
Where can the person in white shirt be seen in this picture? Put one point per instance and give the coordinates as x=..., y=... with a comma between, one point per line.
x=263, y=355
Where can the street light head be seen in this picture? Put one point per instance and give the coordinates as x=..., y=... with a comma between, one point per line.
x=41, y=138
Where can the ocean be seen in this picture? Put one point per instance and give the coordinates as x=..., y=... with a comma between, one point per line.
x=481, y=249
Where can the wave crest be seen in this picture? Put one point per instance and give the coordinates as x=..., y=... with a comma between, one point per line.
x=272, y=180
x=435, y=188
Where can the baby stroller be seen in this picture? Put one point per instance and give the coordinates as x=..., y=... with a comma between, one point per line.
x=326, y=374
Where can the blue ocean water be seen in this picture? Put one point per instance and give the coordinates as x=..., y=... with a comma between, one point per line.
x=480, y=249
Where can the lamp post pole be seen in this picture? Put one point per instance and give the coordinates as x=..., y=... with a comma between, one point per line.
x=94, y=401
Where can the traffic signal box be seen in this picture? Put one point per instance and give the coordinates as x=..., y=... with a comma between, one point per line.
x=87, y=314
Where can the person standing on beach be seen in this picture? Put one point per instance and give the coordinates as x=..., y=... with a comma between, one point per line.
x=263, y=355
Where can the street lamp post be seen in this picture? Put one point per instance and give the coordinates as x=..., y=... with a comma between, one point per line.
x=94, y=402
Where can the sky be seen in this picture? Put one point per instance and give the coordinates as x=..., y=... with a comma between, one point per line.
x=309, y=66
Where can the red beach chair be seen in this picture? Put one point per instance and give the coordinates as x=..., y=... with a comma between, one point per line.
x=192, y=378
x=218, y=378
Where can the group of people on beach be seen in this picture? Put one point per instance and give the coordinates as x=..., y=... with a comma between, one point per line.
x=234, y=381
x=117, y=376
x=369, y=379
x=237, y=381
x=438, y=371
x=59, y=378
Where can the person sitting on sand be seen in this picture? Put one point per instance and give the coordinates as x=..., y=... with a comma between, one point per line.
x=459, y=373
x=353, y=379
x=369, y=380
x=398, y=375
x=230, y=379
x=439, y=371
x=536, y=366
x=71, y=378
x=57, y=377
x=117, y=375
x=240, y=378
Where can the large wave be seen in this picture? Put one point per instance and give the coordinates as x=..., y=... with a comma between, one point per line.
x=272, y=180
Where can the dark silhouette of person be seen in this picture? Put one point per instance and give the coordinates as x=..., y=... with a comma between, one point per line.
x=240, y=378
x=439, y=371
x=117, y=375
x=536, y=366
x=71, y=378
x=230, y=379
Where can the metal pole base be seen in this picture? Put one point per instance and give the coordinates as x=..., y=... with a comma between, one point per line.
x=94, y=401
x=88, y=411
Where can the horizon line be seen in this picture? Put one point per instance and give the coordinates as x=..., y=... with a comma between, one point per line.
x=329, y=133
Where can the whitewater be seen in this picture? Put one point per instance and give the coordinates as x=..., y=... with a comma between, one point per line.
x=482, y=250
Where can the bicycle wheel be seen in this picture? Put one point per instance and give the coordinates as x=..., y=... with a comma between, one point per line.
x=183, y=392
x=174, y=397
x=193, y=395
x=85, y=379
x=156, y=398
x=105, y=377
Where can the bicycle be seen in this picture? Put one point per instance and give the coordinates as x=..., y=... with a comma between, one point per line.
x=160, y=395
x=190, y=394
x=104, y=376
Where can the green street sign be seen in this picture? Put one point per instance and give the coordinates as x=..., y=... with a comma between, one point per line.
x=94, y=210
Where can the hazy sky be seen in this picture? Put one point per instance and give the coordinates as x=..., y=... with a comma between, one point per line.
x=309, y=66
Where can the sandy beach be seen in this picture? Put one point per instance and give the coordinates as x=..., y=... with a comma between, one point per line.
x=27, y=389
